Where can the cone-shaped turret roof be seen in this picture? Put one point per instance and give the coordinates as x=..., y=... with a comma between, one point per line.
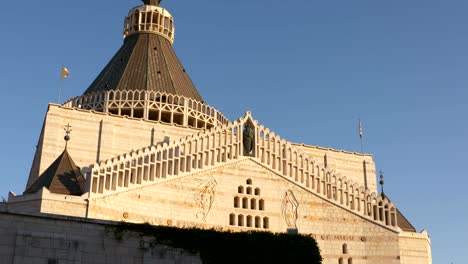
x=62, y=177
x=147, y=61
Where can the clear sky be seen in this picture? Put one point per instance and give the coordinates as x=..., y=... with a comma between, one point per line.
x=307, y=69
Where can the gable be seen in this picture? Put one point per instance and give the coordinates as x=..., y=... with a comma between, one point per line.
x=222, y=196
x=227, y=144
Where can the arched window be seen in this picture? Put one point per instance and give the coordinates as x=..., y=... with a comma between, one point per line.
x=257, y=191
x=249, y=190
x=261, y=205
x=240, y=220
x=257, y=222
x=249, y=221
x=266, y=223
x=249, y=182
x=253, y=204
x=155, y=18
x=232, y=219
x=350, y=261
x=236, y=202
x=240, y=189
x=245, y=203
x=345, y=248
x=340, y=261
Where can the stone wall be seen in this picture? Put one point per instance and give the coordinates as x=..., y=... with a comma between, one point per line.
x=44, y=201
x=44, y=240
x=415, y=248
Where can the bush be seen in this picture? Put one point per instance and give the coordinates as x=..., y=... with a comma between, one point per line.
x=231, y=247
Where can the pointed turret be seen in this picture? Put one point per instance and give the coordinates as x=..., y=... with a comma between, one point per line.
x=62, y=176
x=147, y=61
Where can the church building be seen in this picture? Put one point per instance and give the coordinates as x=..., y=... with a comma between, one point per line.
x=141, y=145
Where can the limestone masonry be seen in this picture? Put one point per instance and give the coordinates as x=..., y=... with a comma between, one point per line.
x=143, y=146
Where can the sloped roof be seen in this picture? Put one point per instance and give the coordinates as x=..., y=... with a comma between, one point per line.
x=403, y=223
x=146, y=62
x=62, y=177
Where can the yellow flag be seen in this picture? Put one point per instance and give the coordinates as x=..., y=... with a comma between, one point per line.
x=65, y=73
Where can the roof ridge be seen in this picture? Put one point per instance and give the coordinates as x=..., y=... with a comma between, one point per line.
x=171, y=77
x=127, y=60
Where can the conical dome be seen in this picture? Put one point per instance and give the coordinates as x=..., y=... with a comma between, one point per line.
x=146, y=61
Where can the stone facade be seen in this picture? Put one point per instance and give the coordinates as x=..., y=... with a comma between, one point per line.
x=205, y=180
x=179, y=200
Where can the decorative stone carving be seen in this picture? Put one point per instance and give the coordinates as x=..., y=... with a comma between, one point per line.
x=204, y=197
x=289, y=209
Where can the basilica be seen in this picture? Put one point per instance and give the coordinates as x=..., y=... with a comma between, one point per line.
x=141, y=145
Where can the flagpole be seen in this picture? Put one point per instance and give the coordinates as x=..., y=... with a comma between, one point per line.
x=64, y=73
x=60, y=88
x=362, y=148
x=360, y=135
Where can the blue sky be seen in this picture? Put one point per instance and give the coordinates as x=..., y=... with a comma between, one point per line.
x=306, y=69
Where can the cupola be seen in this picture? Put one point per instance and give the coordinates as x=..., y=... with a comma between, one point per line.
x=150, y=18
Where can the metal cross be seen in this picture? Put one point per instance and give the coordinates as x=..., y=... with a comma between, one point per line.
x=68, y=130
x=382, y=181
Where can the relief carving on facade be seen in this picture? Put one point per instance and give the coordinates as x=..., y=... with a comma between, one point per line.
x=289, y=209
x=204, y=197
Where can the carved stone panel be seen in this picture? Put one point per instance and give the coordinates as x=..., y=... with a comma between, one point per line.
x=204, y=196
x=289, y=209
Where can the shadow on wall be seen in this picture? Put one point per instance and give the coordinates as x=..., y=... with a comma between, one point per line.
x=3, y=205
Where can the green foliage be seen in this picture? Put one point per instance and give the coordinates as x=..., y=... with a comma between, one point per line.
x=230, y=247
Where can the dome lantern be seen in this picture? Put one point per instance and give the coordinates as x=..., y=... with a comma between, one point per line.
x=150, y=18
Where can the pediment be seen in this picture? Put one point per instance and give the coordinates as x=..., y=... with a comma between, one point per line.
x=230, y=143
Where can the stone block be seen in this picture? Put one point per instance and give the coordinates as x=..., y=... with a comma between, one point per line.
x=6, y=250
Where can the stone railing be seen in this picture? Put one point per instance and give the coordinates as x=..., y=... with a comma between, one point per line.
x=150, y=165
x=289, y=161
x=154, y=106
x=225, y=143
